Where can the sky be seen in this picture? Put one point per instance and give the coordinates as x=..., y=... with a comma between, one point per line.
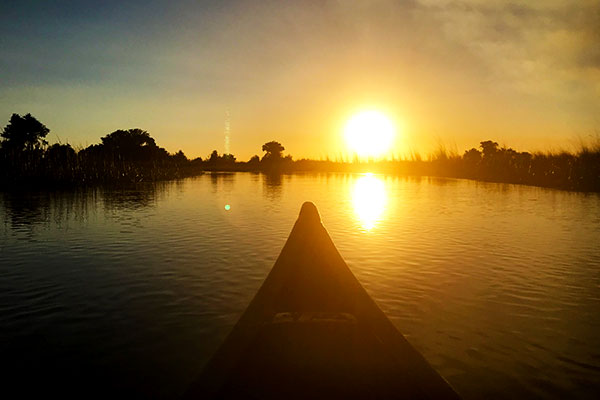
x=451, y=73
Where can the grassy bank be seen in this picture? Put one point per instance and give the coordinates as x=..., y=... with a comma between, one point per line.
x=132, y=156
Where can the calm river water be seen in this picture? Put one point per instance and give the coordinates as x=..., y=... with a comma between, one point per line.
x=130, y=291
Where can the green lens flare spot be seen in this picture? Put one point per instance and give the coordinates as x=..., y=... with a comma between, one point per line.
x=227, y=207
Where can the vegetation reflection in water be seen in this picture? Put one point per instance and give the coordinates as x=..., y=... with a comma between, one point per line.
x=369, y=198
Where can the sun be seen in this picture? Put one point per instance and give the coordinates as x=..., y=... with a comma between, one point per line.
x=369, y=133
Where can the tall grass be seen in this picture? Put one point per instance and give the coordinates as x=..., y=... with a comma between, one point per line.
x=60, y=165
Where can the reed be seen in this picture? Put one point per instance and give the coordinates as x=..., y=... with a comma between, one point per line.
x=132, y=156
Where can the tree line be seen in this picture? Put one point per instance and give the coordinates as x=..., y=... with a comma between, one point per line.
x=132, y=155
x=123, y=156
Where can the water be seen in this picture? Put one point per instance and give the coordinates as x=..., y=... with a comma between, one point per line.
x=130, y=291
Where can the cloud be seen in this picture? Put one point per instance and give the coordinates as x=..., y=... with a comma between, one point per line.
x=301, y=61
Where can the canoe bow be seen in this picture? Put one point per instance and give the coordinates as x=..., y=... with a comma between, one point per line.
x=312, y=331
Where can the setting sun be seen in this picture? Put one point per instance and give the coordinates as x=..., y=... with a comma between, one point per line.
x=369, y=134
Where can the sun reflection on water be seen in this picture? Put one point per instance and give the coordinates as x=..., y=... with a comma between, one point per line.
x=369, y=198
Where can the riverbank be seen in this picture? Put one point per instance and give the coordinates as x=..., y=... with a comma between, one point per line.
x=126, y=157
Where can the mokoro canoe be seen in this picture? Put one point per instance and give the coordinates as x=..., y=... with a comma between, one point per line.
x=312, y=331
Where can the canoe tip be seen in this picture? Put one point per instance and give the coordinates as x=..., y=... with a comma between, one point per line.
x=309, y=213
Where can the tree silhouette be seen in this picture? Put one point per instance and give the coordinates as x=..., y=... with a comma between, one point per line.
x=24, y=133
x=180, y=157
x=131, y=144
x=273, y=150
x=472, y=156
x=60, y=153
x=489, y=148
x=228, y=158
x=128, y=139
x=214, y=157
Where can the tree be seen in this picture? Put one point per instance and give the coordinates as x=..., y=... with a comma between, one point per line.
x=489, y=148
x=131, y=144
x=214, y=157
x=228, y=158
x=180, y=157
x=196, y=162
x=273, y=150
x=24, y=133
x=472, y=162
x=472, y=156
x=58, y=153
x=128, y=139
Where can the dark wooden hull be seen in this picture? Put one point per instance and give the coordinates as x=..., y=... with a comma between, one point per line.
x=312, y=331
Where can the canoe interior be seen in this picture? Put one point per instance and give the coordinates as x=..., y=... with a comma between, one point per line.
x=312, y=331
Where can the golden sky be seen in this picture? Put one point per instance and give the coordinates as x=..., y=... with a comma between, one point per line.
x=526, y=74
